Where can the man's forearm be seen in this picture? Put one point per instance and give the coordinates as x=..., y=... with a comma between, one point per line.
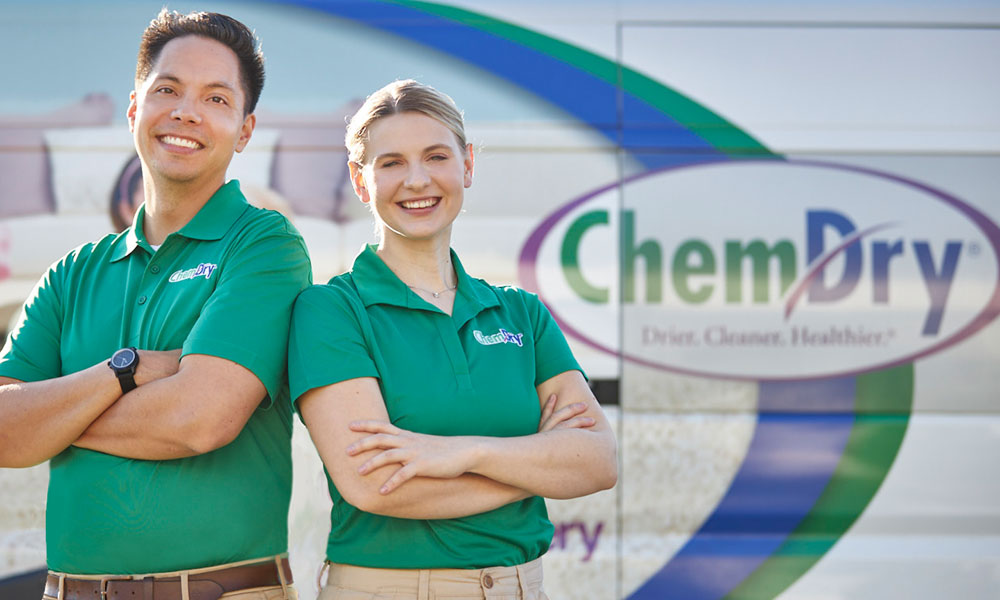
x=42, y=418
x=201, y=407
x=138, y=426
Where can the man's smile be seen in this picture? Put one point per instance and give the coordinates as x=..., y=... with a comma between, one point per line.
x=173, y=140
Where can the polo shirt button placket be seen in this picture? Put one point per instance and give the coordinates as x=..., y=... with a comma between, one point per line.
x=142, y=299
x=154, y=269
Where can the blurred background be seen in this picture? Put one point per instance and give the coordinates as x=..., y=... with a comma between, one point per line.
x=769, y=229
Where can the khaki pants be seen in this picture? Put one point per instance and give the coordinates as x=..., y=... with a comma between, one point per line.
x=521, y=582
x=271, y=593
x=278, y=592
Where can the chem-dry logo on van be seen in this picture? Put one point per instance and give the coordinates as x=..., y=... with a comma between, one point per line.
x=768, y=269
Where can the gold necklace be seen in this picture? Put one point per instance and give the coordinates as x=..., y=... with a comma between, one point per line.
x=435, y=294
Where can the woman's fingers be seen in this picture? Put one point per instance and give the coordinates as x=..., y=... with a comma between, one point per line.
x=563, y=415
x=375, y=426
x=577, y=423
x=401, y=476
x=550, y=406
x=384, y=435
x=381, y=459
x=374, y=442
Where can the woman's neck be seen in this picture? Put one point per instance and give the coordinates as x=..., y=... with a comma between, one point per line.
x=421, y=264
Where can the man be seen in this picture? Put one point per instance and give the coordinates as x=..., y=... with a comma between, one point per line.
x=169, y=478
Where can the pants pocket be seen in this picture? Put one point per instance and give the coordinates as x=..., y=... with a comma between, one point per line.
x=330, y=592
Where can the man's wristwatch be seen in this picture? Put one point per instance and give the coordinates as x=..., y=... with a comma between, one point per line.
x=124, y=363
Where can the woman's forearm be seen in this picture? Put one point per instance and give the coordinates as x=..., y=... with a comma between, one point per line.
x=564, y=463
x=327, y=412
x=561, y=463
x=558, y=463
x=430, y=498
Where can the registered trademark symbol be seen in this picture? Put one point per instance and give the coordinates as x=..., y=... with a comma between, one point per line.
x=975, y=248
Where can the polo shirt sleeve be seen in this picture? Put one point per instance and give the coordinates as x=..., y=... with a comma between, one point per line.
x=327, y=343
x=246, y=319
x=31, y=352
x=552, y=353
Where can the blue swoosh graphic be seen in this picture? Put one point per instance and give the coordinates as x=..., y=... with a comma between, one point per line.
x=787, y=466
x=653, y=137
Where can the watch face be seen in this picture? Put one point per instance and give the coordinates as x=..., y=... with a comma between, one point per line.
x=122, y=358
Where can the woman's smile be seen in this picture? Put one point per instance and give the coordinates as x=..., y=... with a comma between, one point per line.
x=420, y=203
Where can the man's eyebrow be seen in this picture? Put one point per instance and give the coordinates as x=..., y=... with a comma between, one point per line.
x=214, y=84
x=167, y=77
x=221, y=84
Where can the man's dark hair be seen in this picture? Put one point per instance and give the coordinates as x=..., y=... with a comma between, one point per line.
x=170, y=25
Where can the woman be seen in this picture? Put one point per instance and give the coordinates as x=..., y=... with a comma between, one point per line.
x=443, y=408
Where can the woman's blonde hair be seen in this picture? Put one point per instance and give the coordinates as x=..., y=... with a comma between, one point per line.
x=399, y=97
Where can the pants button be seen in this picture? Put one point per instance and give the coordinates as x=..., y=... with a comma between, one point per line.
x=487, y=581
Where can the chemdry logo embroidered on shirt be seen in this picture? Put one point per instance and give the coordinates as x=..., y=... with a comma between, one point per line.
x=202, y=270
x=501, y=337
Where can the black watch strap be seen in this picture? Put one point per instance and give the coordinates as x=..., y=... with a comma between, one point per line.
x=127, y=381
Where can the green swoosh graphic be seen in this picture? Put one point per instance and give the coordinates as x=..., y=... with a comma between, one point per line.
x=711, y=127
x=882, y=410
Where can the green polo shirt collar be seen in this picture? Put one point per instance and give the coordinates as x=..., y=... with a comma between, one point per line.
x=377, y=284
x=211, y=223
x=218, y=215
x=131, y=238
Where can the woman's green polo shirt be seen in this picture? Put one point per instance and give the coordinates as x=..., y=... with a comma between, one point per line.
x=223, y=285
x=471, y=373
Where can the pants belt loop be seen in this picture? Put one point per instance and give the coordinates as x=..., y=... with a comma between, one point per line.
x=522, y=577
x=147, y=587
x=61, y=594
x=324, y=568
x=424, y=585
x=185, y=592
x=281, y=577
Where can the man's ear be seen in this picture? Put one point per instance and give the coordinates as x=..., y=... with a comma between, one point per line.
x=130, y=113
x=246, y=131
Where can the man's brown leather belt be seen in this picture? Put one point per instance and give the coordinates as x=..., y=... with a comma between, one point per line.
x=206, y=585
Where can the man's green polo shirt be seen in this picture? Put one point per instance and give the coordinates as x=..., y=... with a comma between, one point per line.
x=224, y=286
x=471, y=373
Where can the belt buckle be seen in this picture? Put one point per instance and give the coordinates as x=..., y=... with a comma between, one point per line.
x=106, y=580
